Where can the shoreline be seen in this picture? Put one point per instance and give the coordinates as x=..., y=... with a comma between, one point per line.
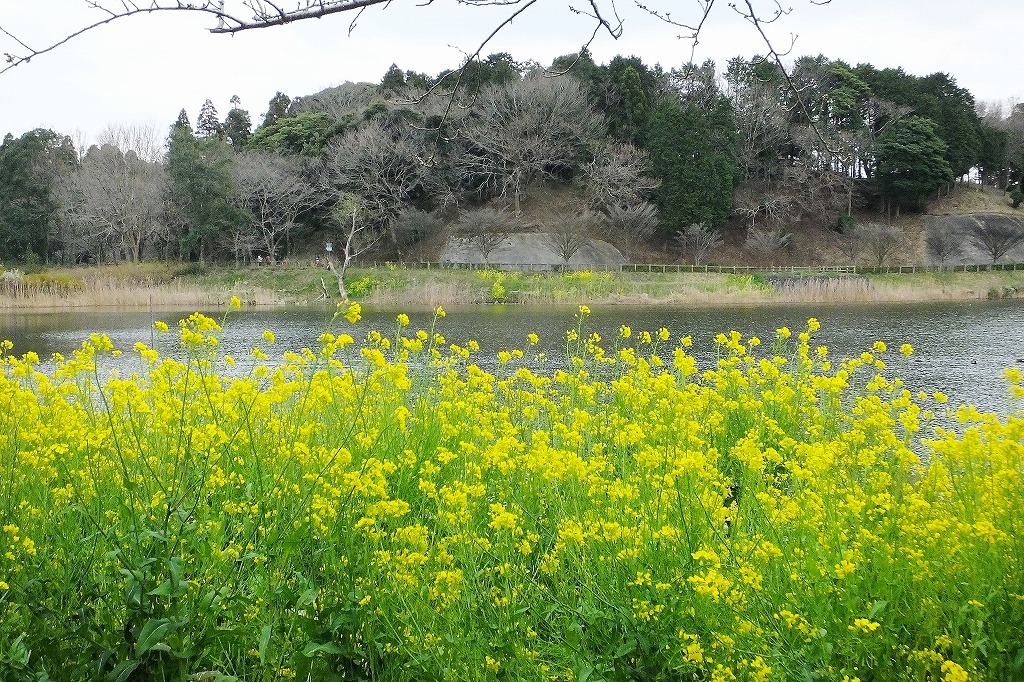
x=157, y=287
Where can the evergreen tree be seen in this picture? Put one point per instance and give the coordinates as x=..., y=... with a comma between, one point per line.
x=393, y=81
x=635, y=105
x=691, y=158
x=182, y=121
x=911, y=161
x=237, y=124
x=307, y=134
x=208, y=122
x=29, y=165
x=202, y=190
x=277, y=108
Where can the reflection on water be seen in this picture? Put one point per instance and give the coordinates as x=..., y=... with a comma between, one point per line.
x=960, y=348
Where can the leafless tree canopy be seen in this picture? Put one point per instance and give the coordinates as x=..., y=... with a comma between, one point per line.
x=523, y=131
x=617, y=176
x=996, y=236
x=381, y=163
x=699, y=240
x=486, y=229
x=274, y=192
x=881, y=241
x=112, y=204
x=632, y=224
x=570, y=232
x=944, y=243
x=768, y=240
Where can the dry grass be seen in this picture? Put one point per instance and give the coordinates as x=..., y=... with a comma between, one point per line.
x=130, y=286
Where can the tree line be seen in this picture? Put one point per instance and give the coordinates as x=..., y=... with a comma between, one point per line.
x=652, y=156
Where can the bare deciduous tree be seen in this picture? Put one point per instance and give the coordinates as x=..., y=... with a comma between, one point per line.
x=413, y=225
x=762, y=125
x=274, y=192
x=943, y=243
x=768, y=240
x=996, y=235
x=486, y=229
x=142, y=138
x=699, y=240
x=617, y=176
x=632, y=224
x=381, y=163
x=523, y=131
x=881, y=241
x=569, y=233
x=113, y=203
x=358, y=236
x=771, y=207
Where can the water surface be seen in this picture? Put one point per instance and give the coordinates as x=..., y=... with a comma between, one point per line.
x=961, y=348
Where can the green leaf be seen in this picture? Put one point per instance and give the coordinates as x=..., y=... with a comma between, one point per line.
x=264, y=641
x=152, y=632
x=877, y=608
x=624, y=649
x=122, y=671
x=584, y=673
x=313, y=648
x=163, y=591
x=309, y=596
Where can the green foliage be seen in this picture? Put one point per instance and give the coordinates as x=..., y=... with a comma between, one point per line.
x=636, y=105
x=203, y=190
x=208, y=122
x=1016, y=198
x=360, y=287
x=237, y=125
x=276, y=108
x=393, y=81
x=29, y=165
x=496, y=69
x=938, y=98
x=912, y=160
x=393, y=511
x=305, y=134
x=845, y=223
x=696, y=168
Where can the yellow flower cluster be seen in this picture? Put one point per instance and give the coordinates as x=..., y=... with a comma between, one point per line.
x=399, y=512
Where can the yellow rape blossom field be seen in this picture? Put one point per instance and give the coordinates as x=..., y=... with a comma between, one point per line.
x=387, y=509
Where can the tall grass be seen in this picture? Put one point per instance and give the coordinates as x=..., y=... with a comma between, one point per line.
x=164, y=285
x=387, y=510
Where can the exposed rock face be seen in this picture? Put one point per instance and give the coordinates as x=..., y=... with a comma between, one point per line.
x=531, y=251
x=961, y=226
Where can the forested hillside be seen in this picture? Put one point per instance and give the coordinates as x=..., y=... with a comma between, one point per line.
x=678, y=162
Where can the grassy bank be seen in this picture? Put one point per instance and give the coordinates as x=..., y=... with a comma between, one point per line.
x=175, y=285
x=395, y=513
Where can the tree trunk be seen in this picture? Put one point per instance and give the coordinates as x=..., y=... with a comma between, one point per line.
x=340, y=274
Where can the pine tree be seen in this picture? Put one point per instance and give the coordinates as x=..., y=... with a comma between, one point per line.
x=182, y=121
x=393, y=81
x=237, y=124
x=277, y=108
x=208, y=122
x=911, y=161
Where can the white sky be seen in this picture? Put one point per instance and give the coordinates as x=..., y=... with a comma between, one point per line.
x=145, y=69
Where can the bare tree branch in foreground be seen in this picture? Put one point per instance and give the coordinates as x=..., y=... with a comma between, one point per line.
x=234, y=16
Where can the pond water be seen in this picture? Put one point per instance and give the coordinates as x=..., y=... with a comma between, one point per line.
x=960, y=348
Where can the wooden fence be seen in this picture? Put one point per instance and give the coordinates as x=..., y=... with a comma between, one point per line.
x=795, y=270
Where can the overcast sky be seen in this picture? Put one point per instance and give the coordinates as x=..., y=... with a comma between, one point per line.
x=145, y=69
